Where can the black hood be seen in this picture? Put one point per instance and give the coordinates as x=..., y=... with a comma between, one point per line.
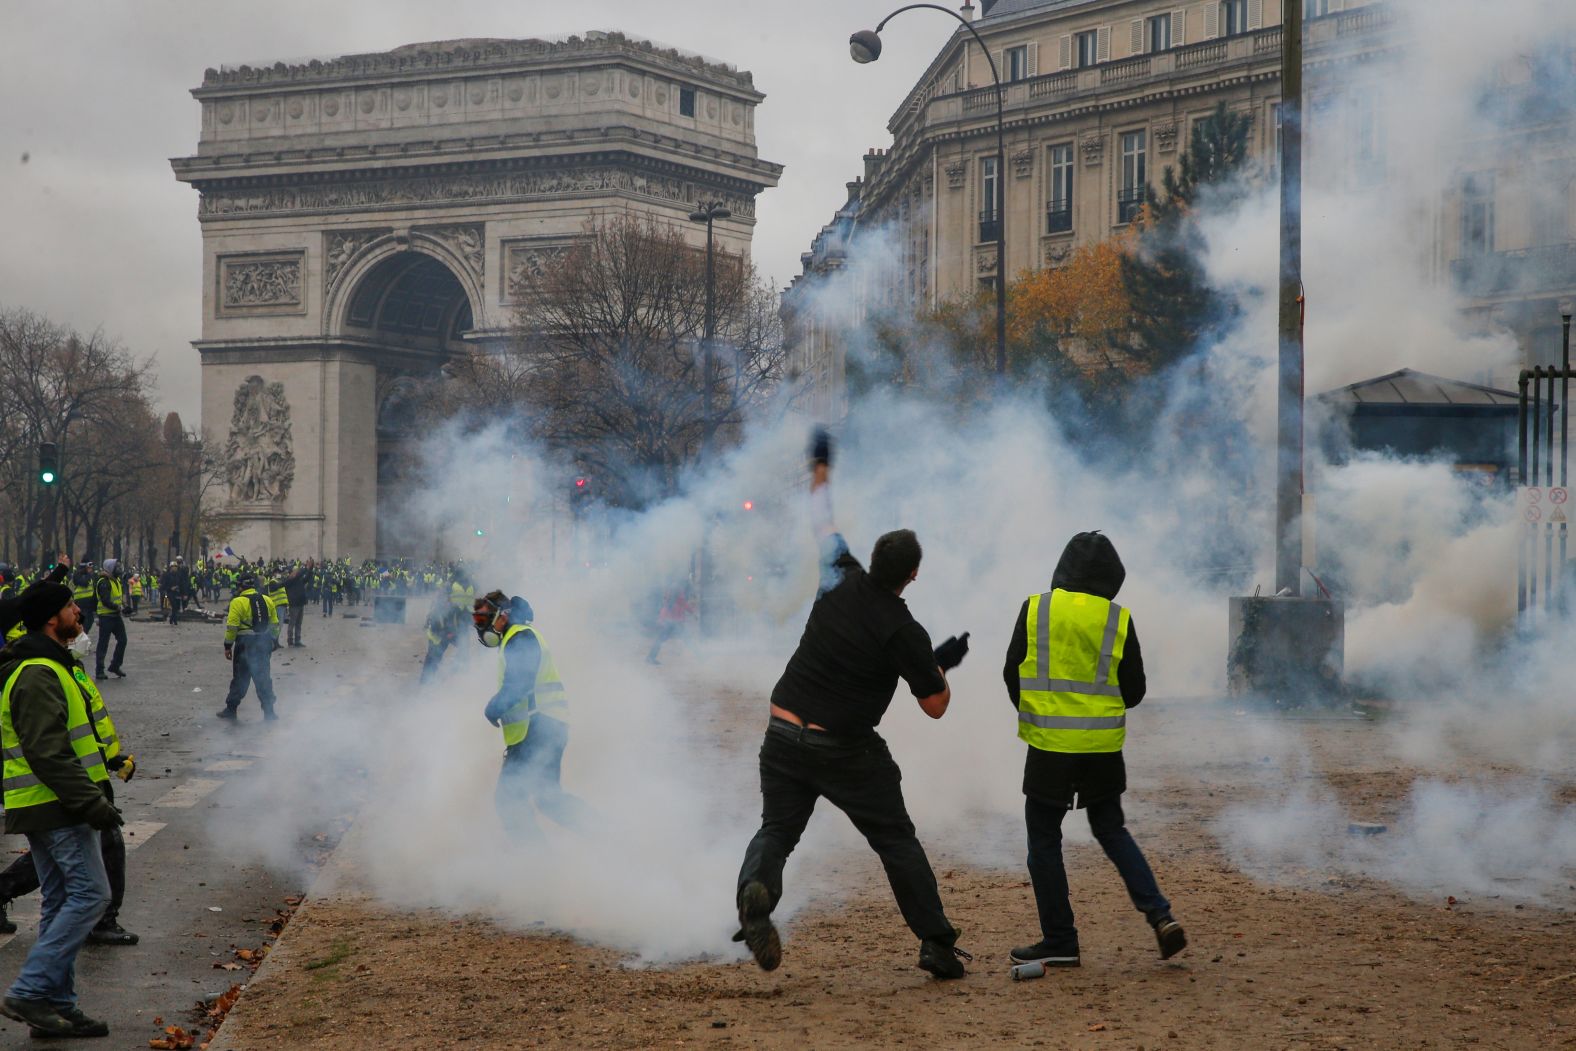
x=1090, y=564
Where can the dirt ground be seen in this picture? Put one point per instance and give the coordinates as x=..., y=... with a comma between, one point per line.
x=1311, y=959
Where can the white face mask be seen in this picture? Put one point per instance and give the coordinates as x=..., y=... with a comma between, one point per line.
x=490, y=638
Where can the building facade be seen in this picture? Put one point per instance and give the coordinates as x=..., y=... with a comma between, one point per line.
x=365, y=218
x=1100, y=96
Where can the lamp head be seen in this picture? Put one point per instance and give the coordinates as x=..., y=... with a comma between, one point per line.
x=865, y=46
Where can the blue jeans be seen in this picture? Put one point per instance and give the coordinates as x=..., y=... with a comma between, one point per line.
x=76, y=893
x=1049, y=875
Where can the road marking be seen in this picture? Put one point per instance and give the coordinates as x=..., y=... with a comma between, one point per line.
x=225, y=765
x=189, y=794
x=136, y=833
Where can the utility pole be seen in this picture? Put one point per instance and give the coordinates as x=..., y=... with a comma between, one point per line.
x=1288, y=461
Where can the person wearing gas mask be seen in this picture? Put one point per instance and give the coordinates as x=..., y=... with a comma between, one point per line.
x=532, y=710
x=1073, y=669
x=250, y=630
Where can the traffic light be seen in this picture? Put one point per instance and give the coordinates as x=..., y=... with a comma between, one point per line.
x=579, y=493
x=480, y=531
x=48, y=462
x=749, y=505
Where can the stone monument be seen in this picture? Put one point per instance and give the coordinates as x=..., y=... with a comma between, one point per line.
x=366, y=218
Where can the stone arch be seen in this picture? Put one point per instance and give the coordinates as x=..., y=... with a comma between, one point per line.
x=411, y=290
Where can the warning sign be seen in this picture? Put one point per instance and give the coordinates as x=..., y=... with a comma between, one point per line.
x=1558, y=517
x=1531, y=495
x=1533, y=513
x=1559, y=495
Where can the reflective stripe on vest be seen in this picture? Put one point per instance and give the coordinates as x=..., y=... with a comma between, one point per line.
x=22, y=788
x=1069, y=699
x=548, y=692
x=103, y=725
x=116, y=593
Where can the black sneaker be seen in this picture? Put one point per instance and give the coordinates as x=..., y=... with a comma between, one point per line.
x=226, y=713
x=942, y=957
x=111, y=933
x=755, y=916
x=39, y=1016
x=1170, y=937
x=100, y=676
x=1048, y=953
x=117, y=673
x=81, y=1024
x=7, y=925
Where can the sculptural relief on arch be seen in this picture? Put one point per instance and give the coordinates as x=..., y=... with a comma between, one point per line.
x=366, y=219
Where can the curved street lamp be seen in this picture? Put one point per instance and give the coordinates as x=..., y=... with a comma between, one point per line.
x=865, y=47
x=708, y=214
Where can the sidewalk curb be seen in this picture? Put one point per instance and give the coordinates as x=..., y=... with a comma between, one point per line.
x=329, y=875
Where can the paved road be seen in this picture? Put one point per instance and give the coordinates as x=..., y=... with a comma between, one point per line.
x=192, y=902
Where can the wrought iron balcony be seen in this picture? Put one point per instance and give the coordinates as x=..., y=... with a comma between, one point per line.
x=1546, y=269
x=990, y=225
x=1059, y=217
x=1129, y=203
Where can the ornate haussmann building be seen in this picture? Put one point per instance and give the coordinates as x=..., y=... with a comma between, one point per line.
x=1101, y=95
x=365, y=218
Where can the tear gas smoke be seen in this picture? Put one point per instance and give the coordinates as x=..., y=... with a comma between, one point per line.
x=666, y=761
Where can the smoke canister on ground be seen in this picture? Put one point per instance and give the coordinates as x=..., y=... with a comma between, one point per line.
x=1023, y=971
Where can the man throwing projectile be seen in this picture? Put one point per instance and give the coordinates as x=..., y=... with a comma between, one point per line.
x=1073, y=669
x=822, y=741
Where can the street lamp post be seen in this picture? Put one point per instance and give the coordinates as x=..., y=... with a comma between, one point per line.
x=865, y=46
x=708, y=214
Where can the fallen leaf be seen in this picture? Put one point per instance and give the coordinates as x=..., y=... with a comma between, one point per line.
x=1097, y=1027
x=226, y=966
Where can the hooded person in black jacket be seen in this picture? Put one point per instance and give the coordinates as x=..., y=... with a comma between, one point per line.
x=1056, y=781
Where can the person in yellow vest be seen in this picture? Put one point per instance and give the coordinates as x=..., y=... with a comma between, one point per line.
x=83, y=580
x=11, y=626
x=134, y=591
x=251, y=632
x=56, y=793
x=109, y=593
x=532, y=710
x=1073, y=669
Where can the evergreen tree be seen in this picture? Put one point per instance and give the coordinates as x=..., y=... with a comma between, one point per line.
x=1174, y=305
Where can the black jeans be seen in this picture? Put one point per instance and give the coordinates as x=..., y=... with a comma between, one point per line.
x=297, y=612
x=328, y=603
x=251, y=663
x=175, y=609
x=1049, y=875
x=21, y=876
x=859, y=777
x=111, y=624
x=531, y=772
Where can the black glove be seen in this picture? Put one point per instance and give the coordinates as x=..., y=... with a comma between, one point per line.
x=115, y=762
x=821, y=446
x=950, y=654
x=103, y=816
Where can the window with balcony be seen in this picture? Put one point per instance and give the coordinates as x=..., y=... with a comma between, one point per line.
x=1315, y=8
x=1233, y=17
x=1157, y=32
x=1086, y=49
x=1477, y=214
x=1016, y=61
x=1059, y=209
x=1135, y=175
x=990, y=199
x=686, y=102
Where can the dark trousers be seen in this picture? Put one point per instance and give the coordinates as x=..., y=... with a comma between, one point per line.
x=297, y=612
x=111, y=624
x=1049, y=874
x=253, y=655
x=859, y=777
x=21, y=876
x=434, y=658
x=175, y=609
x=530, y=774
x=328, y=603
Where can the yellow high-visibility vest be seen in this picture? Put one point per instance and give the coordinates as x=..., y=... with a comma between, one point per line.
x=116, y=593
x=548, y=697
x=22, y=788
x=1069, y=699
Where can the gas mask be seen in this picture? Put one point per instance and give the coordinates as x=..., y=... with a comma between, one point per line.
x=486, y=616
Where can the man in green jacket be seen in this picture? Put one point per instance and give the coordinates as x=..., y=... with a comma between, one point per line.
x=55, y=793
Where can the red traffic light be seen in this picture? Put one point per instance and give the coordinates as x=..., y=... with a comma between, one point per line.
x=580, y=483
x=749, y=505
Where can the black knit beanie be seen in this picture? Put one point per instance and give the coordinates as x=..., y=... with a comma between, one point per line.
x=42, y=601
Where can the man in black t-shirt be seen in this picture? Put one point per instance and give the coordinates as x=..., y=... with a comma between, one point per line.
x=821, y=741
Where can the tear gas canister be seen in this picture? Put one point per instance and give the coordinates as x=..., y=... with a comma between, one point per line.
x=1024, y=971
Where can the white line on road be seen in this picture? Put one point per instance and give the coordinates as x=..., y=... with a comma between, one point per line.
x=225, y=765
x=189, y=794
x=136, y=833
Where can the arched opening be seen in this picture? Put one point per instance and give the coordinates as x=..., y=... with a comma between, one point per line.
x=415, y=307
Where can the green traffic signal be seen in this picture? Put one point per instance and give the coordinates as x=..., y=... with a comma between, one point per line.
x=48, y=462
x=47, y=477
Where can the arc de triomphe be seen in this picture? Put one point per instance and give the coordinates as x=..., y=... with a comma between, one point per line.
x=366, y=217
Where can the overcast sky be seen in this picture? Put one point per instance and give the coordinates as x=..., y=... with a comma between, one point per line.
x=98, y=234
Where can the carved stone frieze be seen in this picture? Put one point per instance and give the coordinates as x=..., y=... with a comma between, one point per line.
x=259, y=464
x=1023, y=163
x=1056, y=252
x=340, y=248
x=527, y=261
x=956, y=172
x=1093, y=150
x=382, y=193
x=985, y=261
x=261, y=284
x=466, y=240
x=1165, y=137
